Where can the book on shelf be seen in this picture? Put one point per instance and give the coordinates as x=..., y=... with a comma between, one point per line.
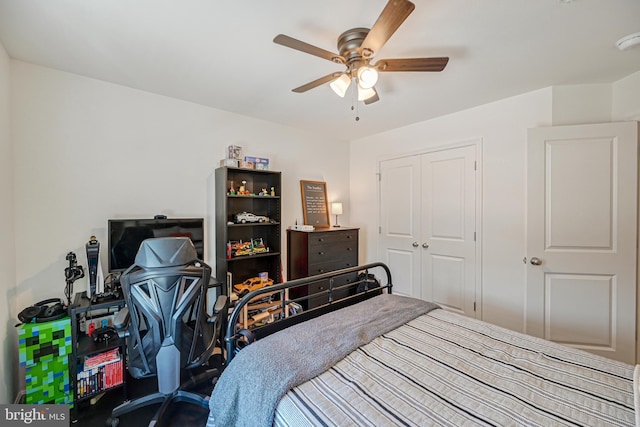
x=101, y=359
x=98, y=379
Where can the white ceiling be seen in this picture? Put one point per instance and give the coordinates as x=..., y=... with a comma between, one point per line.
x=221, y=54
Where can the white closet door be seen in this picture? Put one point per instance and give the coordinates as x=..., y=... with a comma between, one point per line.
x=428, y=225
x=449, y=229
x=400, y=223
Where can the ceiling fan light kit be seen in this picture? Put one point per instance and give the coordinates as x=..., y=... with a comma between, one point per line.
x=367, y=76
x=365, y=93
x=357, y=48
x=340, y=85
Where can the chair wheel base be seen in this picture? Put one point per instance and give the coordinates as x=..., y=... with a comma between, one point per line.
x=113, y=422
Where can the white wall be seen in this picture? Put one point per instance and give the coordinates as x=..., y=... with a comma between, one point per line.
x=626, y=106
x=626, y=98
x=87, y=151
x=502, y=126
x=579, y=104
x=7, y=241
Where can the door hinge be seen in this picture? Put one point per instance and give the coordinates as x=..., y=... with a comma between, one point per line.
x=474, y=306
x=475, y=165
x=379, y=229
x=474, y=236
x=379, y=176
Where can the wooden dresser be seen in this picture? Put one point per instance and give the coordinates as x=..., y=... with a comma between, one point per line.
x=315, y=252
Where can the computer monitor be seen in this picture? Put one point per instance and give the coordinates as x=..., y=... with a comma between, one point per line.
x=126, y=235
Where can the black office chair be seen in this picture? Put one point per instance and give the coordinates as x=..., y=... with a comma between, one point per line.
x=167, y=326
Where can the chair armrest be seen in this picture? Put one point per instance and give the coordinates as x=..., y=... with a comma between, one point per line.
x=121, y=322
x=220, y=308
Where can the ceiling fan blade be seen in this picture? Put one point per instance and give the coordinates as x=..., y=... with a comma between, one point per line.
x=317, y=82
x=296, y=44
x=392, y=16
x=373, y=99
x=412, y=64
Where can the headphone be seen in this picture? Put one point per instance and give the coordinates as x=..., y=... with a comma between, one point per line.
x=44, y=311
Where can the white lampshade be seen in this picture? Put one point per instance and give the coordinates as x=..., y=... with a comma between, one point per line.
x=365, y=93
x=336, y=208
x=340, y=85
x=367, y=77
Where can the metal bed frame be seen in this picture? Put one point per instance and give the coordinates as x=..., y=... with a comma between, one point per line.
x=236, y=338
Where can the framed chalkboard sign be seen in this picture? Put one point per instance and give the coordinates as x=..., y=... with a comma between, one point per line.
x=315, y=208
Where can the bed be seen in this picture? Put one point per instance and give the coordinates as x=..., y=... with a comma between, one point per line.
x=378, y=359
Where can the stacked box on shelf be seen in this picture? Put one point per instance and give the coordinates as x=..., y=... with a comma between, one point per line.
x=44, y=350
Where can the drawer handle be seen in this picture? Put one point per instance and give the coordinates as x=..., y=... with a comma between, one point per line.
x=321, y=288
x=320, y=239
x=349, y=249
x=320, y=253
x=320, y=271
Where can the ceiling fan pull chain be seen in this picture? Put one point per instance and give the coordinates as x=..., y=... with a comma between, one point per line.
x=354, y=101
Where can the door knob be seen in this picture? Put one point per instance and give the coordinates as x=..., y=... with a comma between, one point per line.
x=415, y=244
x=536, y=261
x=425, y=245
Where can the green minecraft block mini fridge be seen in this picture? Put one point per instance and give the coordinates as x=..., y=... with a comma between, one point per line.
x=44, y=350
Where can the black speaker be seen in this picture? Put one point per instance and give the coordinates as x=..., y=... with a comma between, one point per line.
x=44, y=311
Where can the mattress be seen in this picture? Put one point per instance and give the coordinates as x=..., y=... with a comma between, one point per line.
x=445, y=369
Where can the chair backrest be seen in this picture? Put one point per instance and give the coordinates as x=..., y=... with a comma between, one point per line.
x=165, y=291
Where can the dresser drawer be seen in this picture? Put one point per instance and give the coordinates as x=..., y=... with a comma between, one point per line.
x=338, y=264
x=332, y=251
x=321, y=239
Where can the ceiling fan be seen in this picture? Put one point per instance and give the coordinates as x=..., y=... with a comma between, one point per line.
x=357, y=48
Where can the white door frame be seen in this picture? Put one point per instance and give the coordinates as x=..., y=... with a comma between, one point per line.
x=477, y=143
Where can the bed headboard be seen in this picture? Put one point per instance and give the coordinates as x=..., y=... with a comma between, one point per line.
x=236, y=336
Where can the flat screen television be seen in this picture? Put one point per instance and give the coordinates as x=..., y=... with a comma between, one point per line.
x=126, y=235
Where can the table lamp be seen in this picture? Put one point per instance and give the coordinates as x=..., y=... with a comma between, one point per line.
x=336, y=209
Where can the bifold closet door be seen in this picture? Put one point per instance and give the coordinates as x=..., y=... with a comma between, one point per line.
x=428, y=226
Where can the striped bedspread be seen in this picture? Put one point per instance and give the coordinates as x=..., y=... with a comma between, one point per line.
x=446, y=369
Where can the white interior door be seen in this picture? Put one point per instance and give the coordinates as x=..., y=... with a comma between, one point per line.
x=449, y=229
x=400, y=222
x=581, y=237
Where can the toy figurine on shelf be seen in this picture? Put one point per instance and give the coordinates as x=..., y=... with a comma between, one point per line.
x=242, y=191
x=264, y=192
x=273, y=191
x=232, y=191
